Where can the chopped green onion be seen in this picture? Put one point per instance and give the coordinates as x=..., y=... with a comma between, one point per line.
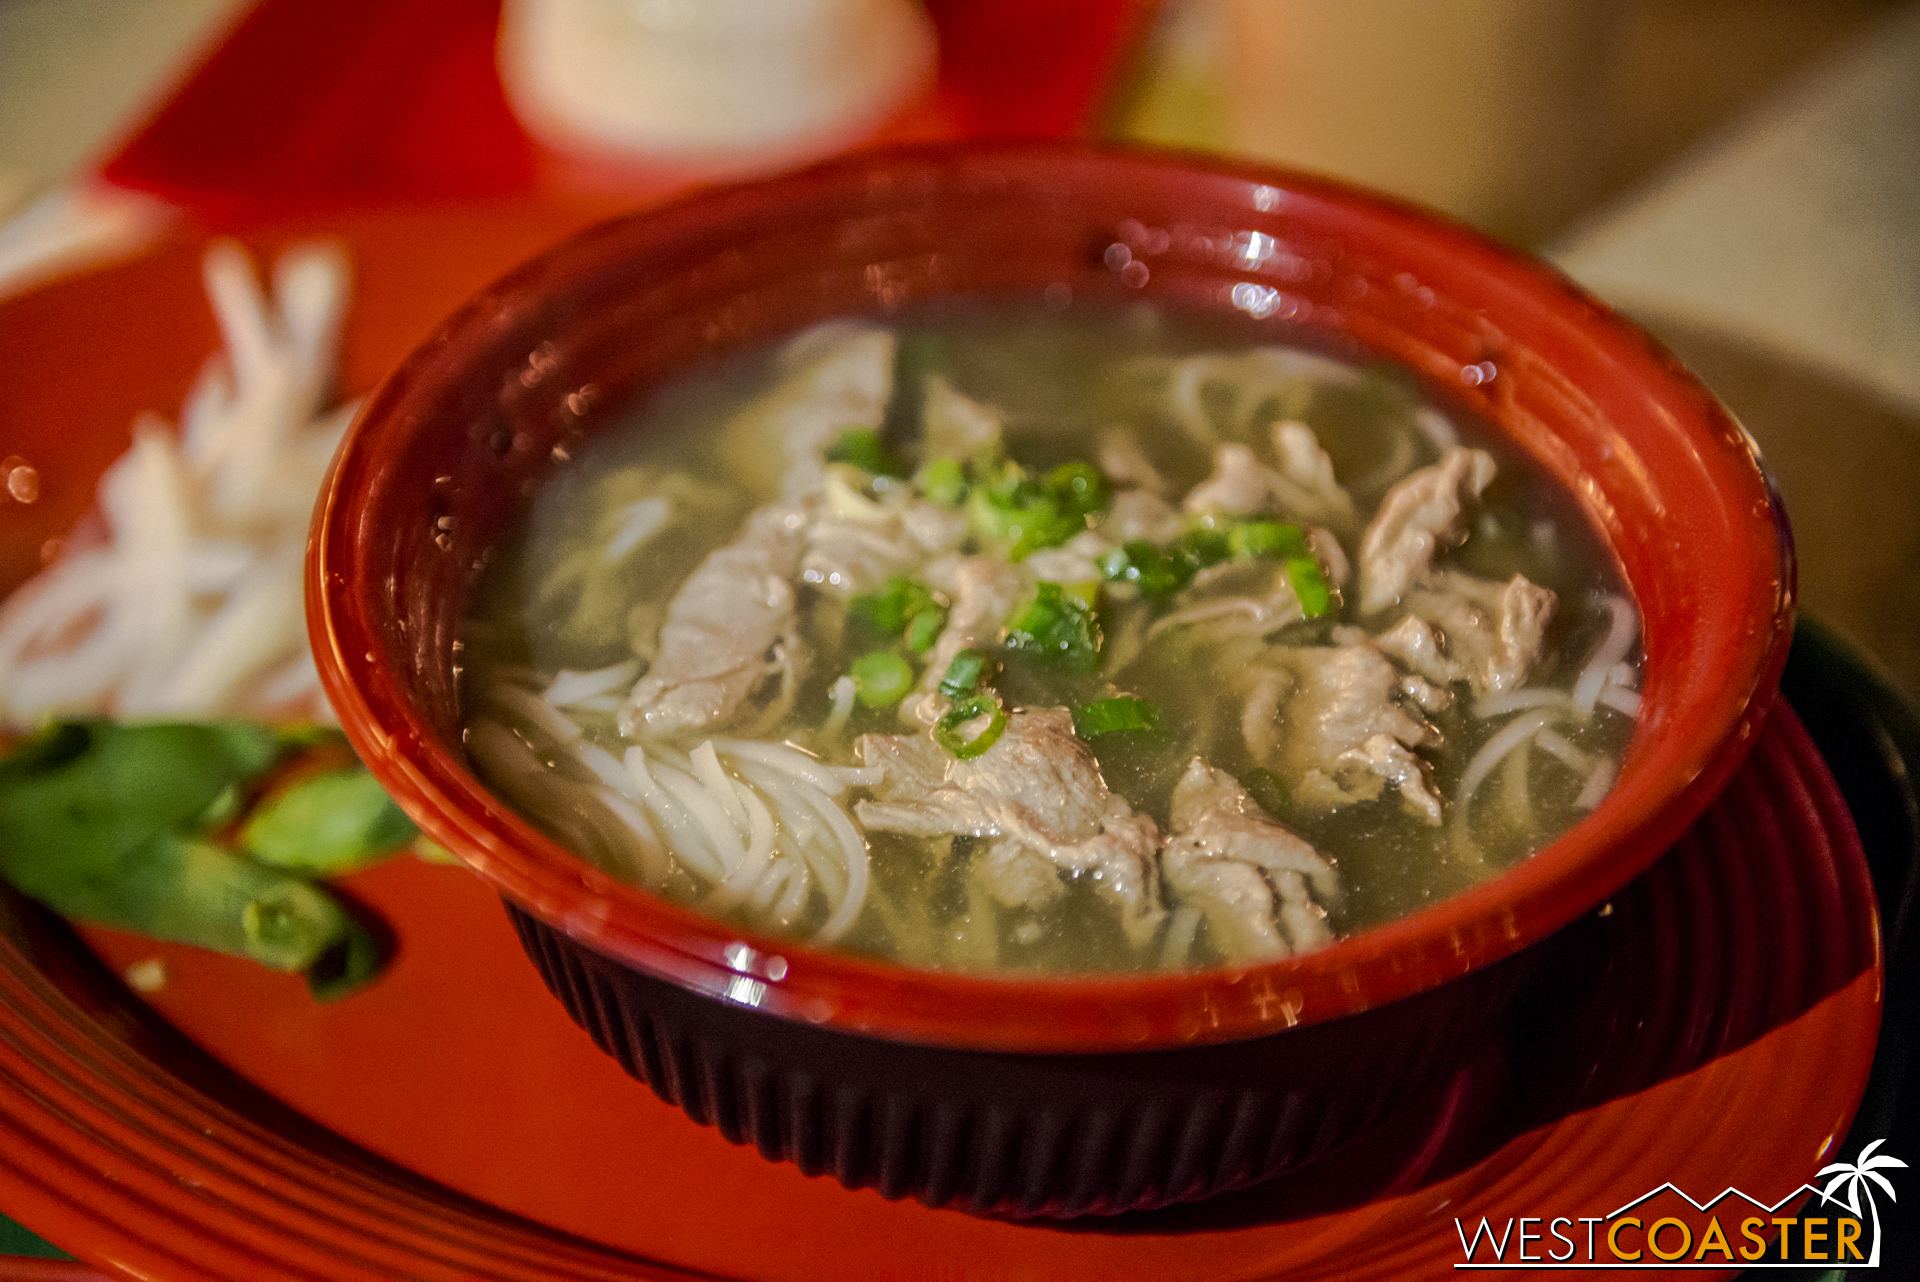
x=1145, y=566
x=924, y=628
x=1310, y=585
x=882, y=678
x=1197, y=549
x=1079, y=488
x=1122, y=712
x=899, y=601
x=946, y=731
x=1006, y=506
x=964, y=674
x=1086, y=592
x=1274, y=539
x=862, y=447
x=1267, y=791
x=943, y=481
x=1058, y=628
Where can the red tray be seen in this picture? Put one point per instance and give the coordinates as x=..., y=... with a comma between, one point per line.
x=451, y=1122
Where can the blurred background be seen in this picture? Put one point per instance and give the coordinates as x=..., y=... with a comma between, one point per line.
x=1742, y=175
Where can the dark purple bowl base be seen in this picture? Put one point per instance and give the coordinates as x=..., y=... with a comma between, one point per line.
x=1025, y=1135
x=1761, y=911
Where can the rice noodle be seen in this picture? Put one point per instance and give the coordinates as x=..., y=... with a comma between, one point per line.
x=1397, y=465
x=607, y=768
x=570, y=688
x=830, y=779
x=706, y=811
x=842, y=692
x=1516, y=793
x=514, y=767
x=1577, y=761
x=706, y=768
x=651, y=866
x=772, y=881
x=802, y=833
x=639, y=521
x=1620, y=699
x=854, y=847
x=753, y=866
x=1499, y=705
x=1598, y=785
x=1438, y=427
x=688, y=841
x=1619, y=639
x=532, y=711
x=1504, y=740
x=798, y=879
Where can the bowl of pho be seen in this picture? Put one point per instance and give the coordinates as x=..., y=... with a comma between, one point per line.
x=1044, y=678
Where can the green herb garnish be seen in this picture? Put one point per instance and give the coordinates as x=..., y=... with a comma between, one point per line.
x=1057, y=627
x=882, y=678
x=1107, y=716
x=1310, y=585
x=946, y=731
x=964, y=674
x=863, y=448
x=132, y=826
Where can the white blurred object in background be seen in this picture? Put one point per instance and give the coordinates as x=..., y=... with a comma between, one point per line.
x=732, y=84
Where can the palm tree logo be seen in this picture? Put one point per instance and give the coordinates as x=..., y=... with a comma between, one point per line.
x=1855, y=1176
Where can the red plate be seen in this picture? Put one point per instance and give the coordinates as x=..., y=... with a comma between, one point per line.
x=1716, y=1027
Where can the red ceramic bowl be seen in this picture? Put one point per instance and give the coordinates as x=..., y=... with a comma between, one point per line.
x=445, y=452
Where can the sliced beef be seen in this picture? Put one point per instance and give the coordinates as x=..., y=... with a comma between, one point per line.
x=1386, y=757
x=1039, y=786
x=1243, y=597
x=1075, y=561
x=728, y=632
x=985, y=591
x=1240, y=484
x=1339, y=700
x=840, y=378
x=1263, y=889
x=849, y=552
x=956, y=425
x=1127, y=465
x=1418, y=517
x=1332, y=557
x=1460, y=628
x=1301, y=488
x=1309, y=491
x=1141, y=514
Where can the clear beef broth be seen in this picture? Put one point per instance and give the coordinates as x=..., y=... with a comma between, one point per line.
x=1406, y=809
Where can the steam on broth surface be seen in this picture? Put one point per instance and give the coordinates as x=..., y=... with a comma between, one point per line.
x=1012, y=637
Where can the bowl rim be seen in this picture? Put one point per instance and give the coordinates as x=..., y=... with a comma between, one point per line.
x=1077, y=1013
